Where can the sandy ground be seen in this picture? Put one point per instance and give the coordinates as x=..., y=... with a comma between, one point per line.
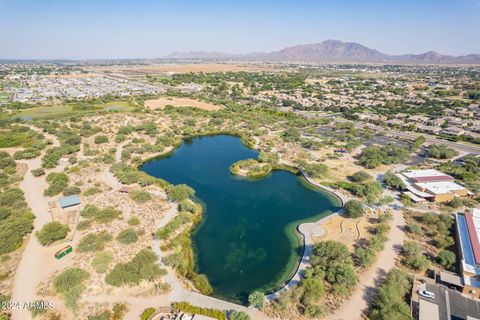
x=184, y=68
x=352, y=308
x=160, y=103
x=27, y=279
x=344, y=230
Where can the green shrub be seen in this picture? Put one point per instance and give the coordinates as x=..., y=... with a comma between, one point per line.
x=359, y=176
x=354, y=209
x=91, y=191
x=105, y=215
x=140, y=196
x=174, y=224
x=147, y=313
x=71, y=191
x=180, y=192
x=256, y=299
x=142, y=267
x=38, y=172
x=84, y=225
x=127, y=236
x=200, y=281
x=100, y=139
x=133, y=221
x=413, y=256
x=414, y=228
x=393, y=181
x=57, y=183
x=94, y=242
x=69, y=283
x=390, y=301
x=52, y=232
x=102, y=261
x=447, y=259
x=188, y=308
x=239, y=315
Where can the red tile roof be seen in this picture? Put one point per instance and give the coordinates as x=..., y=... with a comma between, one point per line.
x=433, y=179
x=472, y=233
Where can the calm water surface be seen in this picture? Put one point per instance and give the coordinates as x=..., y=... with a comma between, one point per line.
x=247, y=239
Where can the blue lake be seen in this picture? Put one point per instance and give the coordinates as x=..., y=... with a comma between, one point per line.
x=247, y=240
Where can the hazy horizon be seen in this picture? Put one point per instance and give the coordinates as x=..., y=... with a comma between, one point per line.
x=109, y=29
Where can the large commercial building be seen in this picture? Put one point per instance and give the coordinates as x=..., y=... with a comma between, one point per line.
x=431, y=185
x=468, y=246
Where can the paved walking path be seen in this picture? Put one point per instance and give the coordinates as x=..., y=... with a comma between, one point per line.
x=308, y=231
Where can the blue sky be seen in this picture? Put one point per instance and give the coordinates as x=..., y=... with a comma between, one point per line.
x=141, y=28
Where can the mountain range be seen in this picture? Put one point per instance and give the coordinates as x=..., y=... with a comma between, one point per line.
x=331, y=51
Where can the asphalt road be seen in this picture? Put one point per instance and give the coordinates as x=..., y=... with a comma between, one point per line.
x=460, y=147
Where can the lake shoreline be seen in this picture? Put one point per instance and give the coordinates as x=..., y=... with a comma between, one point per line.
x=300, y=241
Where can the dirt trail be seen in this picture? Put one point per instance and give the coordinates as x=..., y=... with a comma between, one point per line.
x=37, y=262
x=369, y=282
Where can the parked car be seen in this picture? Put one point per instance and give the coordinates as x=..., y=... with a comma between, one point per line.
x=426, y=294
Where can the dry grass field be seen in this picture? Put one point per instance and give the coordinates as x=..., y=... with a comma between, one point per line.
x=184, y=68
x=160, y=103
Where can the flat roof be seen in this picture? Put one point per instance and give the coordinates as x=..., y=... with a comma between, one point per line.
x=69, y=201
x=451, y=278
x=423, y=173
x=440, y=187
x=428, y=311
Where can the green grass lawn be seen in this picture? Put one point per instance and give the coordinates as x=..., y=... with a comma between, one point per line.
x=58, y=111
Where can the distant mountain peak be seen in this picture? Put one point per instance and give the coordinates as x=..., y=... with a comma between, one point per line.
x=332, y=51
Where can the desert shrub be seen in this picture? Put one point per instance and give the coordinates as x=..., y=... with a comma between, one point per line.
x=441, y=151
x=94, y=241
x=359, y=176
x=84, y=225
x=104, y=215
x=140, y=196
x=101, y=261
x=187, y=206
x=414, y=228
x=38, y=172
x=373, y=156
x=188, y=308
x=336, y=264
x=413, y=256
x=172, y=226
x=256, y=299
x=16, y=220
x=393, y=181
x=447, y=259
x=180, y=192
x=142, y=267
x=239, y=315
x=69, y=284
x=268, y=157
x=147, y=313
x=390, y=301
x=315, y=170
x=354, y=209
x=100, y=139
x=91, y=191
x=127, y=236
x=52, y=232
x=71, y=191
x=38, y=308
x=57, y=183
x=200, y=281
x=133, y=221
